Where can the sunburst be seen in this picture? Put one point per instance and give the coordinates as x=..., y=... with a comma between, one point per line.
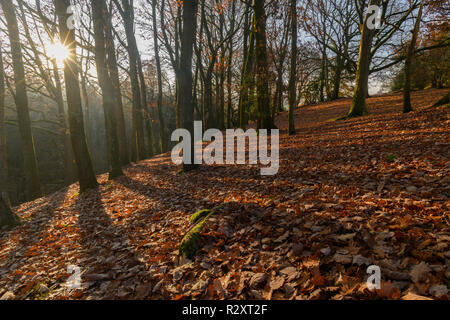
x=58, y=51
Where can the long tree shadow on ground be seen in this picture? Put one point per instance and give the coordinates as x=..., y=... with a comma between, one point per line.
x=32, y=233
x=108, y=261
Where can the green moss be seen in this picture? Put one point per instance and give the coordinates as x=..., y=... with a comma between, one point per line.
x=189, y=244
x=199, y=215
x=391, y=158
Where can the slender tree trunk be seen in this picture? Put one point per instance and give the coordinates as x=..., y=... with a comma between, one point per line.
x=278, y=107
x=265, y=120
x=337, y=78
x=87, y=113
x=243, y=94
x=230, y=69
x=210, y=123
x=162, y=128
x=138, y=113
x=221, y=82
x=99, y=17
x=7, y=217
x=69, y=165
x=185, y=81
x=145, y=107
x=293, y=71
x=217, y=108
x=114, y=74
x=323, y=75
x=30, y=163
x=222, y=123
x=178, y=30
x=408, y=62
x=248, y=82
x=359, y=107
x=197, y=111
x=4, y=190
x=83, y=160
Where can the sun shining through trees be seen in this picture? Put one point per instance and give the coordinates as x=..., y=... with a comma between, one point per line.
x=58, y=51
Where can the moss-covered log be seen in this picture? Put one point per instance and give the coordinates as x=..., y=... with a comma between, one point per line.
x=199, y=215
x=190, y=241
x=189, y=244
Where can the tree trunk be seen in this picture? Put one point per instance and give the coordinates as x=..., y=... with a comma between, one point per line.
x=30, y=163
x=4, y=190
x=221, y=82
x=230, y=69
x=209, y=108
x=83, y=160
x=138, y=124
x=114, y=74
x=69, y=166
x=265, y=120
x=162, y=128
x=358, y=107
x=408, y=62
x=337, y=78
x=99, y=17
x=145, y=107
x=293, y=71
x=87, y=113
x=246, y=67
x=323, y=75
x=185, y=80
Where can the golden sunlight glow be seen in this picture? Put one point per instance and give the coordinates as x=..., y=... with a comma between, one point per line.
x=58, y=51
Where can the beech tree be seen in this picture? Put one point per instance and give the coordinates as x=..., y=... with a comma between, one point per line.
x=185, y=78
x=114, y=75
x=358, y=107
x=126, y=10
x=265, y=120
x=82, y=157
x=162, y=130
x=278, y=39
x=293, y=71
x=247, y=78
x=7, y=217
x=391, y=22
x=408, y=62
x=99, y=14
x=4, y=190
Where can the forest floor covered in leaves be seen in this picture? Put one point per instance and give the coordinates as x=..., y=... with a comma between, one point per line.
x=349, y=194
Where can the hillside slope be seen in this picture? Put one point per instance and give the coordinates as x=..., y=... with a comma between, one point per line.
x=372, y=190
